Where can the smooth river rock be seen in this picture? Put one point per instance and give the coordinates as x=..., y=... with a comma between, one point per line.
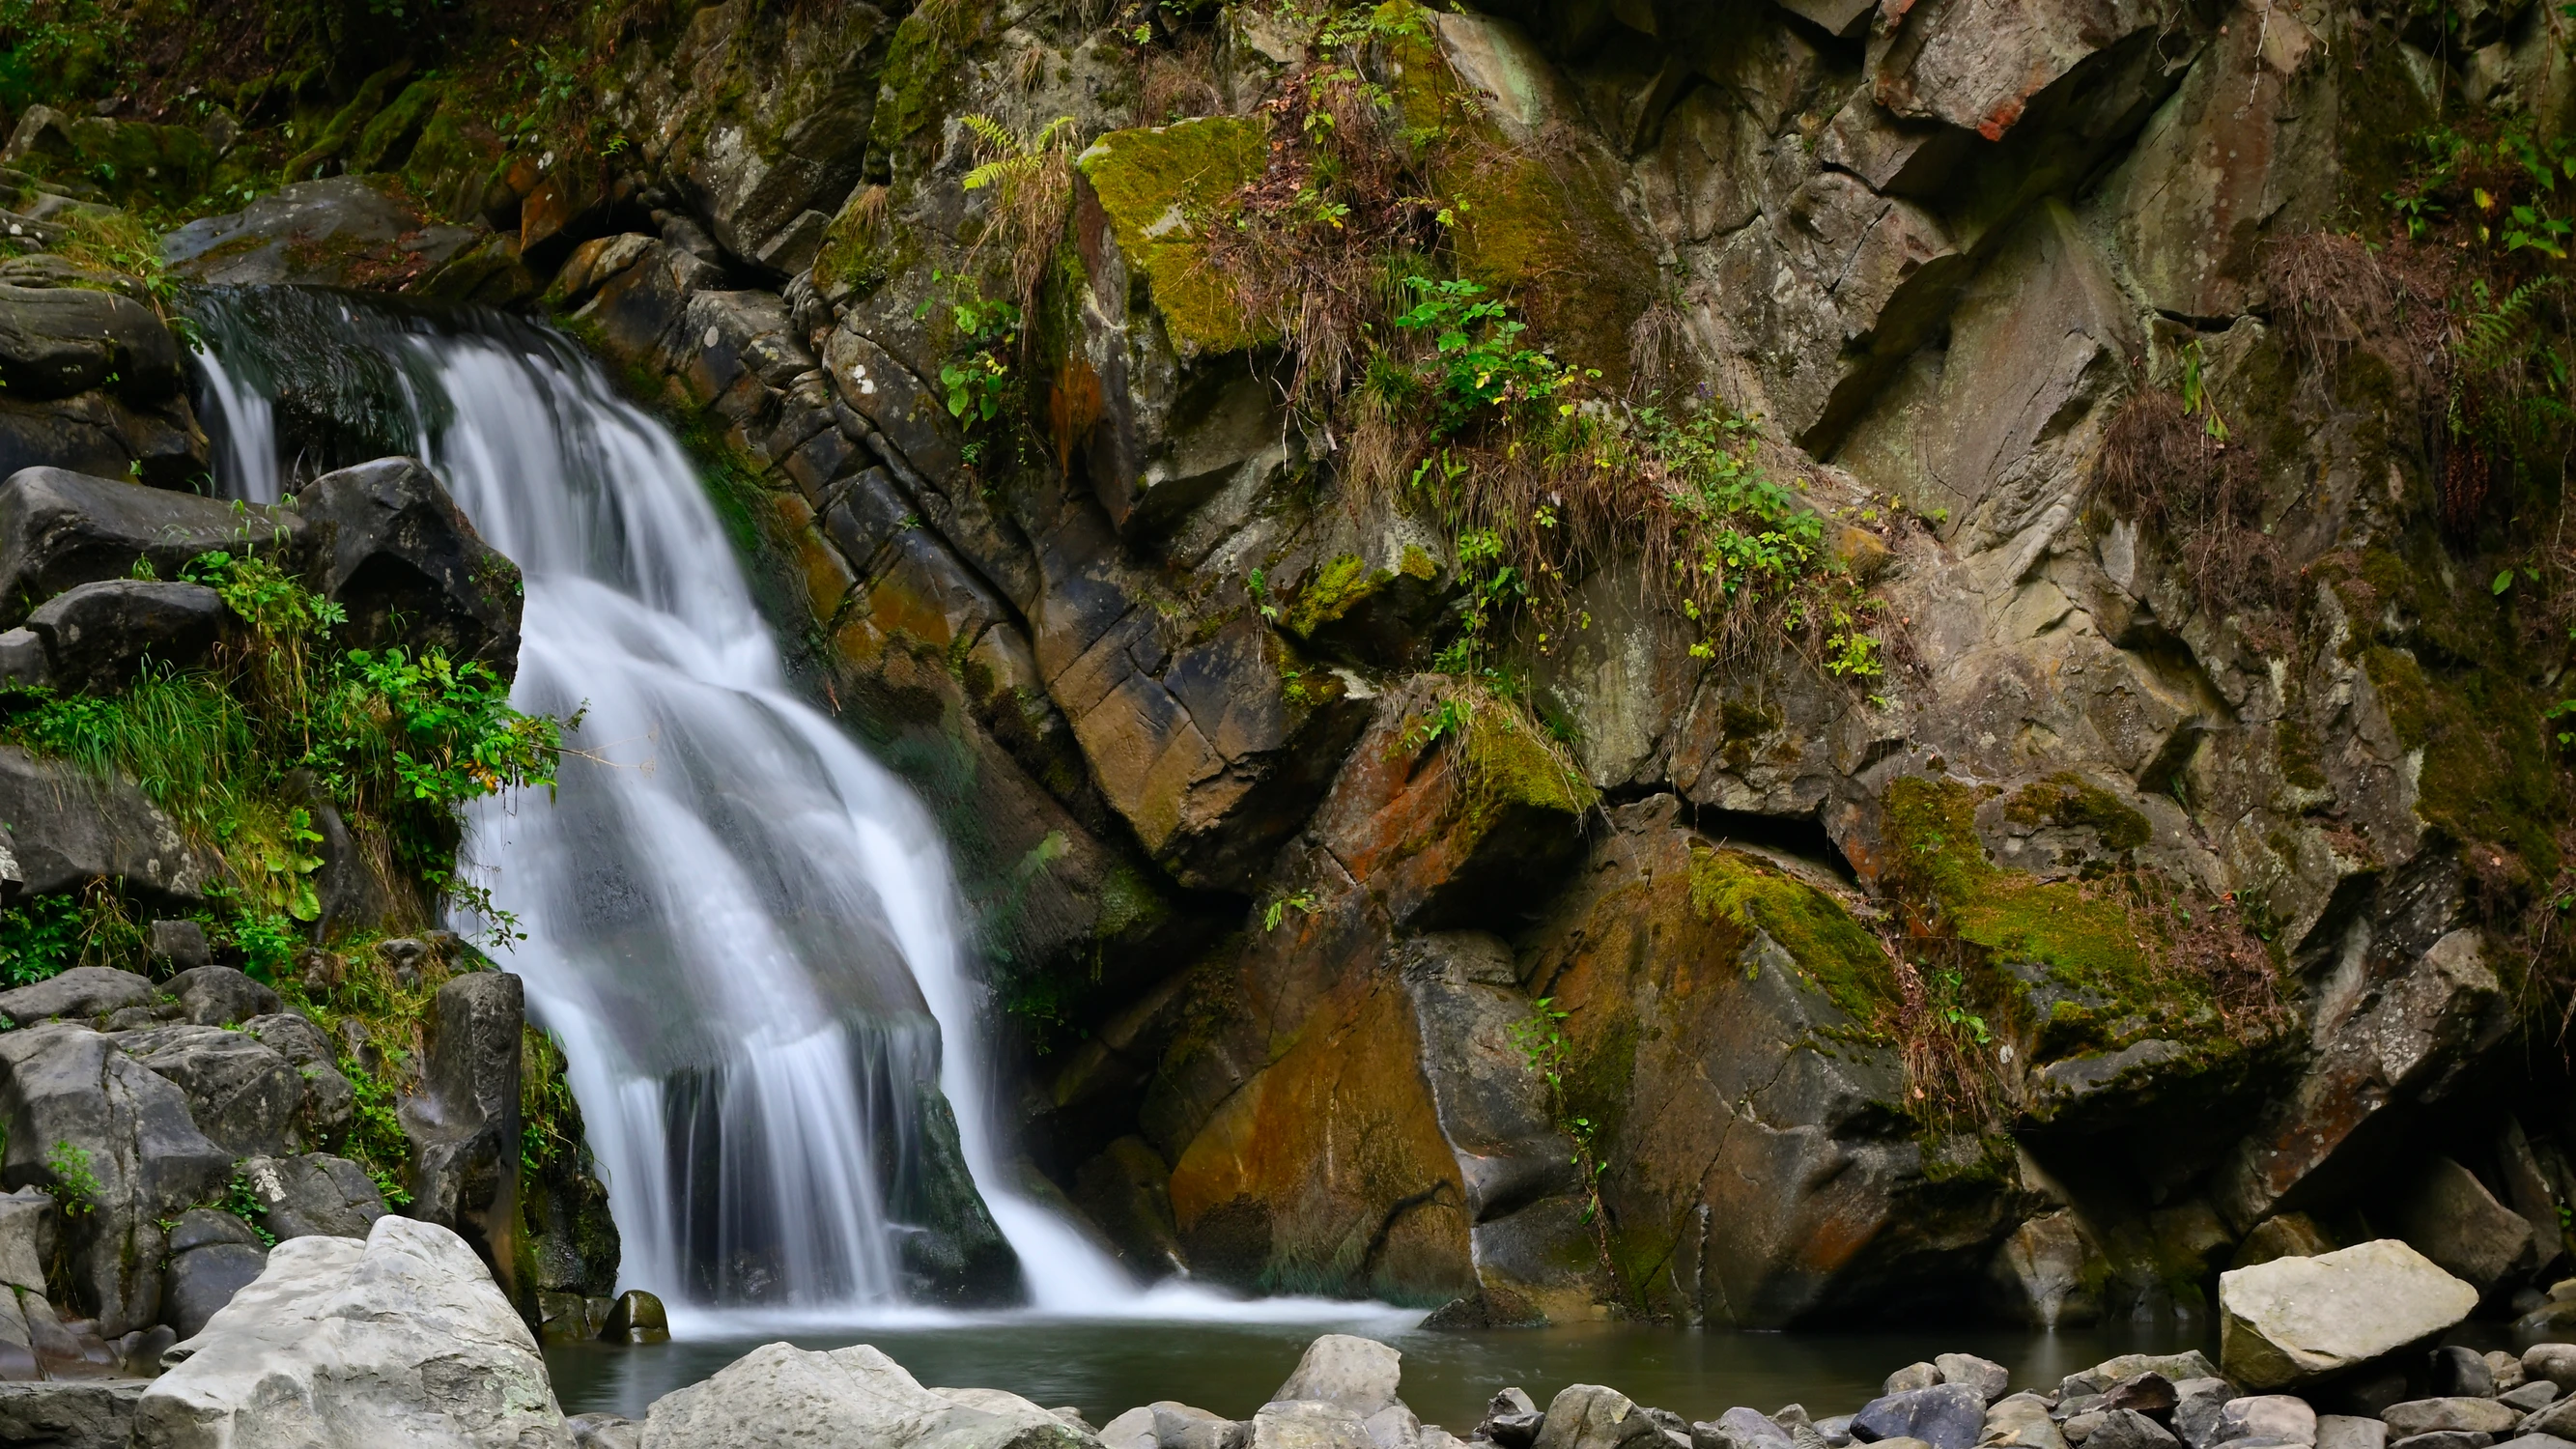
x=2459, y=1414
x=1946, y=1416
x=2296, y=1319
x=402, y=1339
x=1359, y=1374
x=778, y=1395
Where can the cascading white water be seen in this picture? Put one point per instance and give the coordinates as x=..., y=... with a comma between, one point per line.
x=743, y=929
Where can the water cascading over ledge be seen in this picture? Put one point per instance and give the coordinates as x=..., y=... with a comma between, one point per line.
x=742, y=928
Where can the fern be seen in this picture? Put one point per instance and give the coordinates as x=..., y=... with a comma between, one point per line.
x=1010, y=158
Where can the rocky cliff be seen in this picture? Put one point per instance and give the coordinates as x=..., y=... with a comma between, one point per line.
x=1735, y=662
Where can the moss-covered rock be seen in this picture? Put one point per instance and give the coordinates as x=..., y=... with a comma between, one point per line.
x=1160, y=189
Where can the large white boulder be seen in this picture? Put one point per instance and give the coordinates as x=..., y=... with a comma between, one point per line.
x=2296, y=1319
x=400, y=1339
x=779, y=1394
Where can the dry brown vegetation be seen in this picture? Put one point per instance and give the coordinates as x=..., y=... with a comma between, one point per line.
x=2167, y=468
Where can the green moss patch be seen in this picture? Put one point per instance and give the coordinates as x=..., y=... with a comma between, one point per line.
x=2080, y=960
x=1159, y=188
x=2074, y=802
x=1507, y=765
x=1834, y=951
x=922, y=59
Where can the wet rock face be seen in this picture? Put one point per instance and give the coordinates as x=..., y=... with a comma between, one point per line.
x=76, y=1107
x=92, y=380
x=407, y=565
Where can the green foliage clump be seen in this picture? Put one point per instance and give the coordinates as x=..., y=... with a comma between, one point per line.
x=241, y=753
x=40, y=938
x=75, y=1186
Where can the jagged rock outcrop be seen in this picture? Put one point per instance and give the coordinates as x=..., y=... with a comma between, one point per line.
x=1920, y=247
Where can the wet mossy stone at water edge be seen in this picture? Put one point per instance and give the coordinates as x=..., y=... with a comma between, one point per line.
x=636, y=1318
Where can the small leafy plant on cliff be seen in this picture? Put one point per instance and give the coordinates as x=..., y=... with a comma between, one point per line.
x=1543, y=1043
x=978, y=380
x=75, y=1186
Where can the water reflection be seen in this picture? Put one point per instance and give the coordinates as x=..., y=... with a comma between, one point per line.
x=1105, y=1368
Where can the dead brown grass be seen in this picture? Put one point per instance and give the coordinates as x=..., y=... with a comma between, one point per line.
x=2200, y=494
x=1179, y=82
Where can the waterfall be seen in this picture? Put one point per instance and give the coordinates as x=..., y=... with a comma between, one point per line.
x=742, y=928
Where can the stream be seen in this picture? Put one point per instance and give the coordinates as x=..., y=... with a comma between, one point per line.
x=1104, y=1367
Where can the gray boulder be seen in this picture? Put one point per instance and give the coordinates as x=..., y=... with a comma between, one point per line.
x=1911, y=1377
x=779, y=1394
x=1358, y=1374
x=213, y=1255
x=400, y=1338
x=57, y=341
x=76, y=1107
x=67, y=830
x=290, y=1036
x=312, y=233
x=313, y=1195
x=1166, y=1424
x=2350, y=1431
x=1308, y=1424
x=2269, y=1419
x=2296, y=1319
x=221, y=996
x=30, y=1229
x=330, y=1103
x=2452, y=1219
x=2197, y=1402
x=1740, y=1428
x=2189, y=1364
x=243, y=1096
x=69, y=1414
x=98, y=635
x=2458, y=1372
x=398, y=548
x=2445, y=1439
x=2458, y=1414
x=2558, y=1419
x=2151, y=1394
x=604, y=1431
x=2530, y=1398
x=2536, y=1441
x=80, y=993
x=1946, y=1416
x=1982, y=1374
x=60, y=529
x=2555, y=1362
x=178, y=946
x=2128, y=1429
x=2020, y=1421
x=1588, y=1416
x=23, y=663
